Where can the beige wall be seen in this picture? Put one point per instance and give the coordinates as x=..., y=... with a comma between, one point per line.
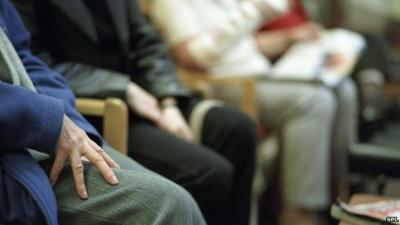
x=368, y=16
x=318, y=10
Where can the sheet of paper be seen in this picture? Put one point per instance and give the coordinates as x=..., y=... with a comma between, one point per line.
x=306, y=60
x=303, y=61
x=379, y=210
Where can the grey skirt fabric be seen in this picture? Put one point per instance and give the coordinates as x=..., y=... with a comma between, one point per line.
x=141, y=198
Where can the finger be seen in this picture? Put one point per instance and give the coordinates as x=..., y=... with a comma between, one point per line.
x=190, y=135
x=105, y=156
x=154, y=115
x=57, y=167
x=179, y=131
x=98, y=161
x=187, y=134
x=173, y=129
x=84, y=159
x=78, y=173
x=162, y=124
x=151, y=113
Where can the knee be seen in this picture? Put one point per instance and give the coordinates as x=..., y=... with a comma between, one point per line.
x=223, y=176
x=218, y=186
x=168, y=201
x=241, y=127
x=244, y=125
x=245, y=136
x=218, y=177
x=176, y=205
x=324, y=103
x=173, y=195
x=245, y=129
x=347, y=92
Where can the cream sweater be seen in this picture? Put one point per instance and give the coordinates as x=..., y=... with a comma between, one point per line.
x=179, y=20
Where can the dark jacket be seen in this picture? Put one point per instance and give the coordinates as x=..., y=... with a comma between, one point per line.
x=30, y=120
x=70, y=33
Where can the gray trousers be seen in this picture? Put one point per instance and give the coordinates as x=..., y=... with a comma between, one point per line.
x=315, y=122
x=141, y=198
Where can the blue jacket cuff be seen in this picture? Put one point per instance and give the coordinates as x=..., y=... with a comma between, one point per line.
x=53, y=117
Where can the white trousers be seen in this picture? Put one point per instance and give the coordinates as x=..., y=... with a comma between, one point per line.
x=315, y=123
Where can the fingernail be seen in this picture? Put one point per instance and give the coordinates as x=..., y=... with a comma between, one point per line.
x=85, y=195
x=114, y=180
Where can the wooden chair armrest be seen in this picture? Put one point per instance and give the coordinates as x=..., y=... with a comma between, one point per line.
x=115, y=119
x=200, y=86
x=203, y=82
x=248, y=86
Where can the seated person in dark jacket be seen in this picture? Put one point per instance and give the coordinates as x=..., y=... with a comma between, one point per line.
x=41, y=132
x=107, y=48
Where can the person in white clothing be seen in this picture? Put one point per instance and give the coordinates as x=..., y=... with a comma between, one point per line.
x=217, y=36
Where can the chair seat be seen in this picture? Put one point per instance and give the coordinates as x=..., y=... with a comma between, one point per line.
x=375, y=160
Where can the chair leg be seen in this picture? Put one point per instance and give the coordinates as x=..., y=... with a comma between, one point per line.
x=115, y=128
x=381, y=184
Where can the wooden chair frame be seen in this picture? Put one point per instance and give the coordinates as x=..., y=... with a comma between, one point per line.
x=203, y=82
x=115, y=119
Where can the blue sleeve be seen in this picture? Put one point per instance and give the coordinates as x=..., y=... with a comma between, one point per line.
x=46, y=81
x=29, y=119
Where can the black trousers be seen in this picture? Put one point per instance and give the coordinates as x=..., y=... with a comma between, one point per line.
x=217, y=173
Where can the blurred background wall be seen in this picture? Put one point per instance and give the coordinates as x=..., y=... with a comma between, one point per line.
x=366, y=16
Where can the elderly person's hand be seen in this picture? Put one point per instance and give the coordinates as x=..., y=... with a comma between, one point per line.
x=305, y=32
x=143, y=103
x=173, y=121
x=75, y=145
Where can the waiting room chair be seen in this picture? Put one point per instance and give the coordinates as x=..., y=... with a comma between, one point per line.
x=375, y=160
x=380, y=158
x=204, y=83
x=115, y=119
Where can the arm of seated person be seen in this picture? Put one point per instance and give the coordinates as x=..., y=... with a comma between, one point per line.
x=42, y=120
x=46, y=81
x=275, y=42
x=36, y=121
x=196, y=48
x=173, y=121
x=29, y=119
